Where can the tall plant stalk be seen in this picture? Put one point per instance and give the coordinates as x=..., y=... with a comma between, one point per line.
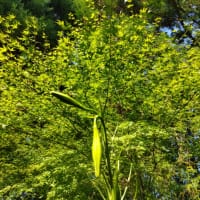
x=99, y=140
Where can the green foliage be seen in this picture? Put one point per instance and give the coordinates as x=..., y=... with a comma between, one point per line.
x=35, y=150
x=82, y=8
x=10, y=6
x=149, y=84
x=145, y=87
x=182, y=17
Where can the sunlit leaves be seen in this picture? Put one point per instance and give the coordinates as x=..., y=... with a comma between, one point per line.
x=146, y=87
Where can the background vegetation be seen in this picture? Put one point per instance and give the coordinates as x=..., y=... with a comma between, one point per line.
x=114, y=57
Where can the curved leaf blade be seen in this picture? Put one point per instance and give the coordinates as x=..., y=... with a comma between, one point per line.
x=71, y=101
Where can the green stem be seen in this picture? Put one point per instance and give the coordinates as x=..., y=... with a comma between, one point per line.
x=107, y=154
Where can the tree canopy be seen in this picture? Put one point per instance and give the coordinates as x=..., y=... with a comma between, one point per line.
x=180, y=16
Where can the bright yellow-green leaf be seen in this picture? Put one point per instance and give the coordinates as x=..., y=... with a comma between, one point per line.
x=96, y=148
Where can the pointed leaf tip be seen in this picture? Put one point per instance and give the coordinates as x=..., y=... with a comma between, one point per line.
x=70, y=101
